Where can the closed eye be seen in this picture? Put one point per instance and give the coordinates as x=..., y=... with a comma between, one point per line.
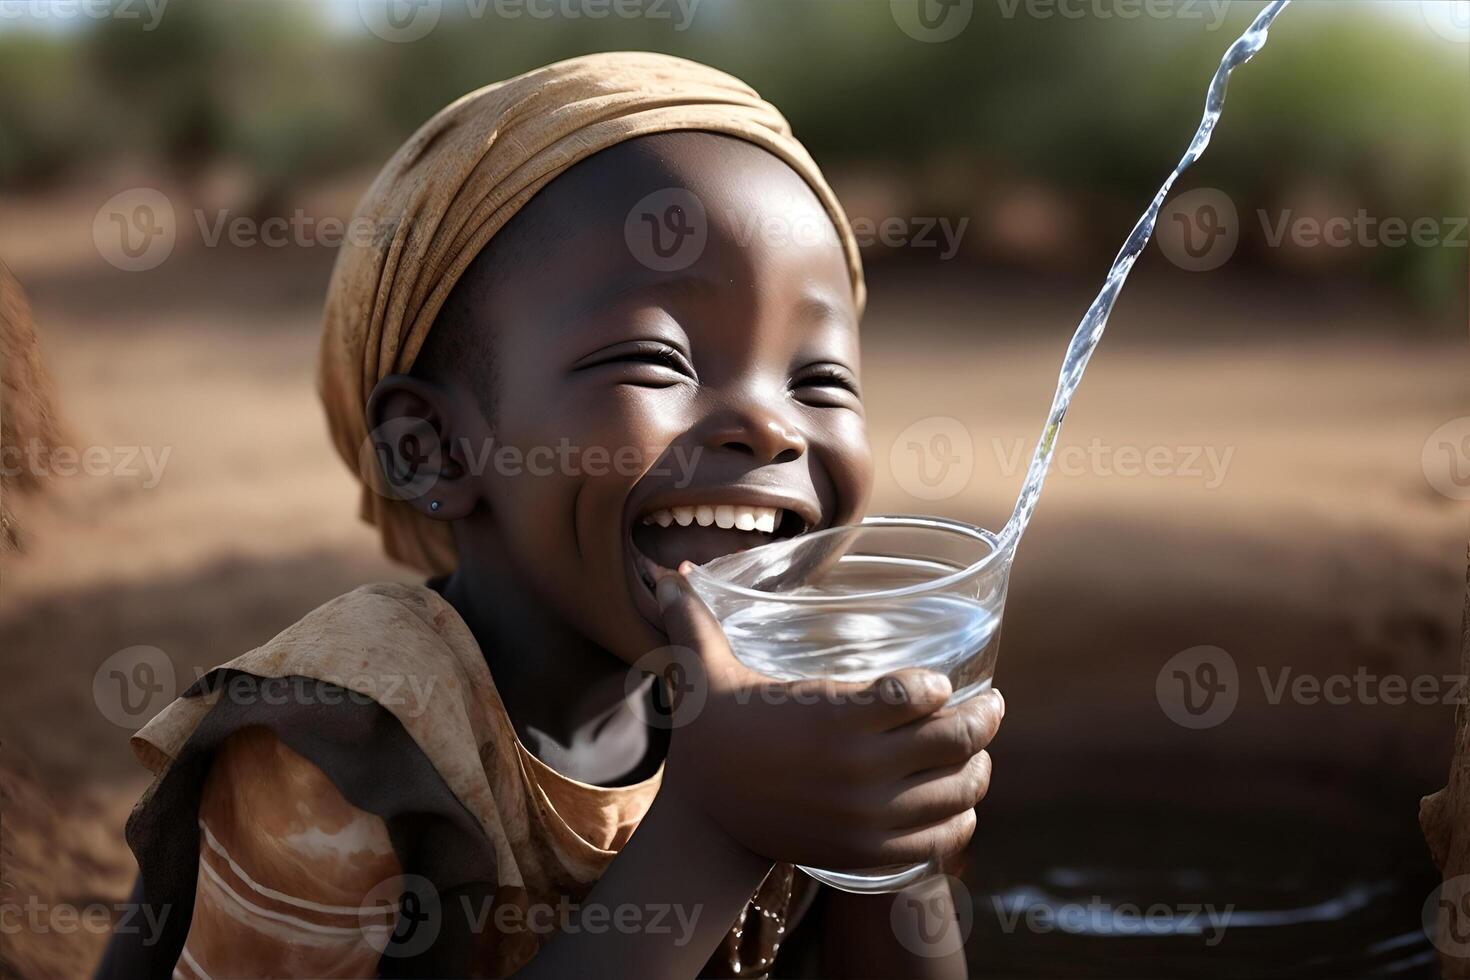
x=826, y=384
x=648, y=363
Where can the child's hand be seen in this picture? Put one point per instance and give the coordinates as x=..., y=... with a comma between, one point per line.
x=823, y=773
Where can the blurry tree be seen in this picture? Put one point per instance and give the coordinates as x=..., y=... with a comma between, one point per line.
x=1369, y=108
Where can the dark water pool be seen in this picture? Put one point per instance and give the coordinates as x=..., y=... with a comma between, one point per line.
x=1109, y=889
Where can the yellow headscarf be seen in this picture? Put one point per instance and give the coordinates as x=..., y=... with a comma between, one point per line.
x=458, y=180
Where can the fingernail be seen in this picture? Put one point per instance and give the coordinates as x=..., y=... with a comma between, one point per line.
x=685, y=567
x=999, y=697
x=937, y=685
x=666, y=591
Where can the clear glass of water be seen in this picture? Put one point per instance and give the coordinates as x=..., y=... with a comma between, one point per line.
x=855, y=603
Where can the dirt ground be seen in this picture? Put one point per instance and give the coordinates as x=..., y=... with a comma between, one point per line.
x=1287, y=520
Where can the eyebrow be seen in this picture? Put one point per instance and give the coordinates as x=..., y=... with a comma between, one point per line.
x=817, y=307
x=625, y=289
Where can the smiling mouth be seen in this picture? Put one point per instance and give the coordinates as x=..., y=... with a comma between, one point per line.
x=664, y=537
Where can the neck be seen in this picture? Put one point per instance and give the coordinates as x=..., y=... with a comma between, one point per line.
x=568, y=699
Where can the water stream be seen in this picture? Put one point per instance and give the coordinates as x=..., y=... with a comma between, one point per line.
x=1090, y=330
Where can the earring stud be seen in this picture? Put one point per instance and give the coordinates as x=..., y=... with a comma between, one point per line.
x=433, y=505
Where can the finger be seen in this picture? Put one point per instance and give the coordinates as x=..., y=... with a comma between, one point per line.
x=688, y=623
x=937, y=795
x=902, y=697
x=938, y=841
x=948, y=738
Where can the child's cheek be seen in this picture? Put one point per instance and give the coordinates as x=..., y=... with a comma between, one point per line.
x=849, y=462
x=641, y=421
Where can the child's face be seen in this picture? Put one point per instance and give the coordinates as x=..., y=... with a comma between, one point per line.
x=637, y=387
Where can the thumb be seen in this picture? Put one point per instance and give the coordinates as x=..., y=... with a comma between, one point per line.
x=689, y=623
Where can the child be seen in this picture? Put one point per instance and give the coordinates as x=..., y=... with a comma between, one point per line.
x=591, y=339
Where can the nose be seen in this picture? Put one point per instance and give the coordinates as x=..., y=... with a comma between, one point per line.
x=756, y=432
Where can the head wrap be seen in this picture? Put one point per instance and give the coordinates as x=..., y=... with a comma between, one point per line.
x=458, y=180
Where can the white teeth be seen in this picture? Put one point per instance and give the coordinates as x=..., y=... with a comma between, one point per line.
x=738, y=516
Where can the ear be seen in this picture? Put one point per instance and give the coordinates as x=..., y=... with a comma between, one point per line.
x=418, y=445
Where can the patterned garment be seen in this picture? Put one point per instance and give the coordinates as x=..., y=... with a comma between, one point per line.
x=333, y=851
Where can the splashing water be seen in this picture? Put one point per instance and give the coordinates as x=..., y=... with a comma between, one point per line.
x=1090, y=330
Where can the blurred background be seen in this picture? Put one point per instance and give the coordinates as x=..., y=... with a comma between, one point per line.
x=1268, y=459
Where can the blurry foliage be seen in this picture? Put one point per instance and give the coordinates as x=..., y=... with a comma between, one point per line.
x=1369, y=105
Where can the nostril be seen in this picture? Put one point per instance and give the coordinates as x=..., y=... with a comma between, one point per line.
x=786, y=455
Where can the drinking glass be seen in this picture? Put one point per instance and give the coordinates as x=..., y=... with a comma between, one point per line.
x=854, y=603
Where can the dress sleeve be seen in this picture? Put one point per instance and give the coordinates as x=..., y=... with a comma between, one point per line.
x=315, y=838
x=293, y=879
